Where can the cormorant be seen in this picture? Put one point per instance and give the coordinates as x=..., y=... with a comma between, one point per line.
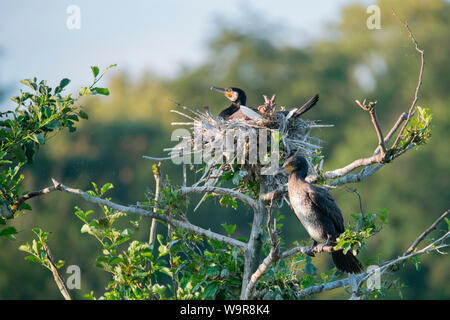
x=318, y=213
x=308, y=105
x=238, y=98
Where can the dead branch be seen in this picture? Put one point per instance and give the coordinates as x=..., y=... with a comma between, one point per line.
x=419, y=81
x=426, y=232
x=371, y=108
x=57, y=277
x=222, y=191
x=16, y=206
x=157, y=175
x=185, y=225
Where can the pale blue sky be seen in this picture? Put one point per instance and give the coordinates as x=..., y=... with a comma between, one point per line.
x=137, y=35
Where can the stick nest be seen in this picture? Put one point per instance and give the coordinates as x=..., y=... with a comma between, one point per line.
x=228, y=146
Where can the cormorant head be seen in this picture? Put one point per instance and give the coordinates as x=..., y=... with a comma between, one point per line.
x=235, y=95
x=296, y=164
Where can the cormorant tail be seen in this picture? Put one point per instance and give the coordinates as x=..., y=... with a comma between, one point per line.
x=346, y=262
x=308, y=105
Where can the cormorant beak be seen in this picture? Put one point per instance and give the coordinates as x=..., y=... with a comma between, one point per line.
x=221, y=90
x=229, y=94
x=287, y=169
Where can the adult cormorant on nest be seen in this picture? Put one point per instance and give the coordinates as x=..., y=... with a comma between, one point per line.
x=238, y=98
x=318, y=213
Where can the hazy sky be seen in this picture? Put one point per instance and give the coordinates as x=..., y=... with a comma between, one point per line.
x=137, y=35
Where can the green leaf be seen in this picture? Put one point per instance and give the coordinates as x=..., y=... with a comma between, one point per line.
x=19, y=153
x=95, y=71
x=33, y=259
x=83, y=114
x=103, y=91
x=25, y=206
x=448, y=223
x=8, y=231
x=116, y=260
x=106, y=187
x=25, y=248
x=30, y=83
x=229, y=228
x=38, y=138
x=59, y=264
x=213, y=271
x=211, y=290
x=85, y=91
x=166, y=270
x=80, y=214
x=64, y=82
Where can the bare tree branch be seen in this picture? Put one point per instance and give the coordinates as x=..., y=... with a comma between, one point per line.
x=186, y=225
x=154, y=225
x=58, y=279
x=371, y=108
x=419, y=81
x=403, y=117
x=426, y=232
x=16, y=206
x=223, y=191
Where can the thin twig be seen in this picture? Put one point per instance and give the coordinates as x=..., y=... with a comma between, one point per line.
x=419, y=81
x=426, y=232
x=157, y=175
x=371, y=108
x=223, y=191
x=58, y=279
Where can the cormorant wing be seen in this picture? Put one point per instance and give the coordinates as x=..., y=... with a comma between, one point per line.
x=308, y=105
x=250, y=113
x=326, y=204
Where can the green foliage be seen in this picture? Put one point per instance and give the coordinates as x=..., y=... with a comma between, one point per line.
x=38, y=250
x=367, y=225
x=418, y=130
x=39, y=114
x=134, y=269
x=137, y=272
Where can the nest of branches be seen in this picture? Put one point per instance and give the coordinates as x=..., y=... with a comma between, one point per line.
x=244, y=149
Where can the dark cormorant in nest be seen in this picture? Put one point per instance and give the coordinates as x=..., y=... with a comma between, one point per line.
x=238, y=98
x=318, y=213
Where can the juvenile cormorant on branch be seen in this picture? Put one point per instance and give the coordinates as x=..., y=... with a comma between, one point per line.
x=318, y=213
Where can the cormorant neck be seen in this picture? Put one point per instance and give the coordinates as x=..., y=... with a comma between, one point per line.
x=234, y=106
x=299, y=174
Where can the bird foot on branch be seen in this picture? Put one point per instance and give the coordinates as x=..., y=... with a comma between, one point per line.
x=310, y=251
